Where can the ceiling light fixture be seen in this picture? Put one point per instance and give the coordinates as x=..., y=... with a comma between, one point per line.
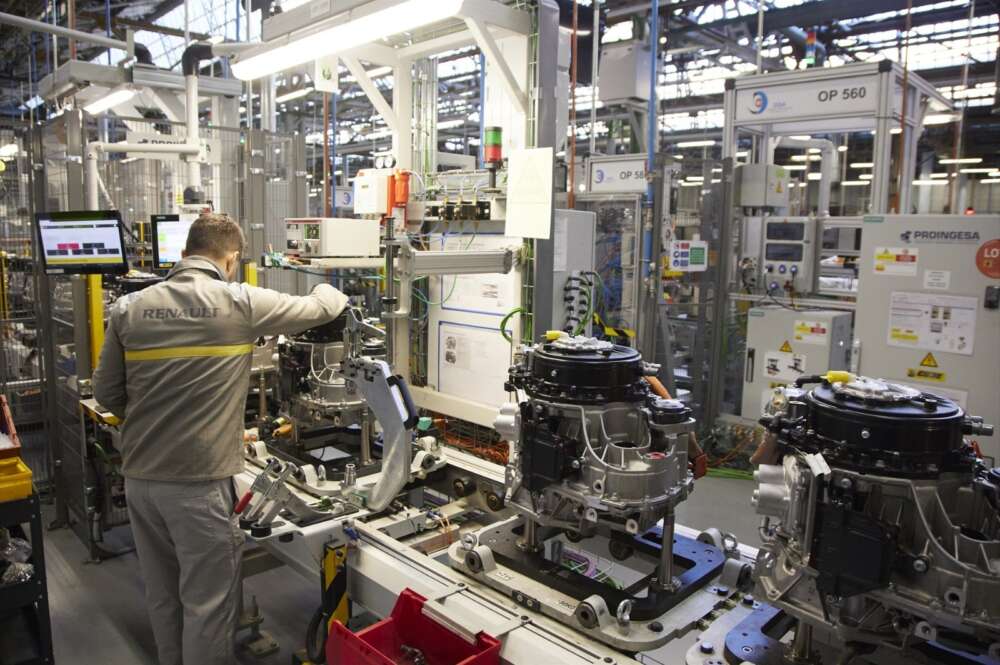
x=392, y=20
x=294, y=94
x=696, y=144
x=961, y=160
x=116, y=96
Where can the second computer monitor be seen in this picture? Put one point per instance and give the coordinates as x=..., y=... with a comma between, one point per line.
x=170, y=234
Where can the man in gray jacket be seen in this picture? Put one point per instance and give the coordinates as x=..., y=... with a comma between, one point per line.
x=175, y=368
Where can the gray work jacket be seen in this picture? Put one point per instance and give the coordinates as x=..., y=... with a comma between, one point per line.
x=175, y=367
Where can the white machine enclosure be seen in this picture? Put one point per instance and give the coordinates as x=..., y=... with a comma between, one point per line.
x=927, y=311
x=784, y=344
x=332, y=237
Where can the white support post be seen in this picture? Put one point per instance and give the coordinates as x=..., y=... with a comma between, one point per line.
x=882, y=154
x=485, y=41
x=402, y=106
x=368, y=86
x=191, y=106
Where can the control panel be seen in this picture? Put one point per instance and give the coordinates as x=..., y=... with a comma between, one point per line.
x=789, y=253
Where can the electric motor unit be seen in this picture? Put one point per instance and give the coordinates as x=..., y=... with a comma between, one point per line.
x=593, y=446
x=880, y=519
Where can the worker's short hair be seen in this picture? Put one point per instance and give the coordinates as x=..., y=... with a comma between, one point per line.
x=214, y=235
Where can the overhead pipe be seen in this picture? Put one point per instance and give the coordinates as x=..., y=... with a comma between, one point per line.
x=59, y=31
x=190, y=60
x=190, y=63
x=829, y=165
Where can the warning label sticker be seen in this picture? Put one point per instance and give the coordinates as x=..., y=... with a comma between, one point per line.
x=786, y=347
x=922, y=374
x=932, y=322
x=810, y=332
x=783, y=366
x=897, y=261
x=929, y=361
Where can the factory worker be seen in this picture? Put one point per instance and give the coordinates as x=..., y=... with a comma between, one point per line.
x=175, y=368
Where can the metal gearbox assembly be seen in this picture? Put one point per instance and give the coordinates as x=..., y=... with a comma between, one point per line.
x=881, y=522
x=592, y=445
x=596, y=454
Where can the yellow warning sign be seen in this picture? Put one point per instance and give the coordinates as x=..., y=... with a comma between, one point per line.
x=786, y=347
x=925, y=375
x=929, y=360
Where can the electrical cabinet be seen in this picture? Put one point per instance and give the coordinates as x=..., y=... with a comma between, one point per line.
x=371, y=191
x=927, y=312
x=624, y=71
x=784, y=344
x=574, y=241
x=762, y=186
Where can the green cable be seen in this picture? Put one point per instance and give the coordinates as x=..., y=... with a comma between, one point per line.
x=505, y=319
x=734, y=474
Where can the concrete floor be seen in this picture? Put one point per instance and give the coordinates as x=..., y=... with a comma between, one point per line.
x=99, y=609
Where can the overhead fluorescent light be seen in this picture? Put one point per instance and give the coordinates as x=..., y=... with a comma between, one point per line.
x=716, y=170
x=379, y=24
x=294, y=94
x=854, y=183
x=695, y=178
x=993, y=174
x=896, y=130
x=705, y=143
x=32, y=103
x=742, y=154
x=930, y=183
x=862, y=165
x=794, y=167
x=865, y=176
x=961, y=160
x=940, y=175
x=678, y=156
x=116, y=96
x=9, y=151
x=841, y=148
x=814, y=151
x=806, y=158
x=691, y=183
x=801, y=137
x=938, y=118
x=990, y=181
x=814, y=176
x=977, y=170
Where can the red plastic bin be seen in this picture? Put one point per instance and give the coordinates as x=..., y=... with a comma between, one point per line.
x=381, y=643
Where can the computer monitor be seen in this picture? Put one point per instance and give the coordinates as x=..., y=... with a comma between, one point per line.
x=82, y=242
x=170, y=234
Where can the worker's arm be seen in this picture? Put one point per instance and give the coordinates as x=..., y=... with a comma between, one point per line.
x=273, y=313
x=109, y=376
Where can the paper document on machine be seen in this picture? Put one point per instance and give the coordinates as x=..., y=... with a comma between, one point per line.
x=931, y=321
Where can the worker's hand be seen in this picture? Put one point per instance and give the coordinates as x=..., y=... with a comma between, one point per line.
x=767, y=451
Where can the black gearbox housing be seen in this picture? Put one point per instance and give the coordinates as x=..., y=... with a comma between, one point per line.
x=547, y=456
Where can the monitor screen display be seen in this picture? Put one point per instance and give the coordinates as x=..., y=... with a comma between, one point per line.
x=170, y=234
x=786, y=231
x=82, y=242
x=782, y=251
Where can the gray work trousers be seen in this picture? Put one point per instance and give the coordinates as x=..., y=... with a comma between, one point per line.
x=189, y=546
